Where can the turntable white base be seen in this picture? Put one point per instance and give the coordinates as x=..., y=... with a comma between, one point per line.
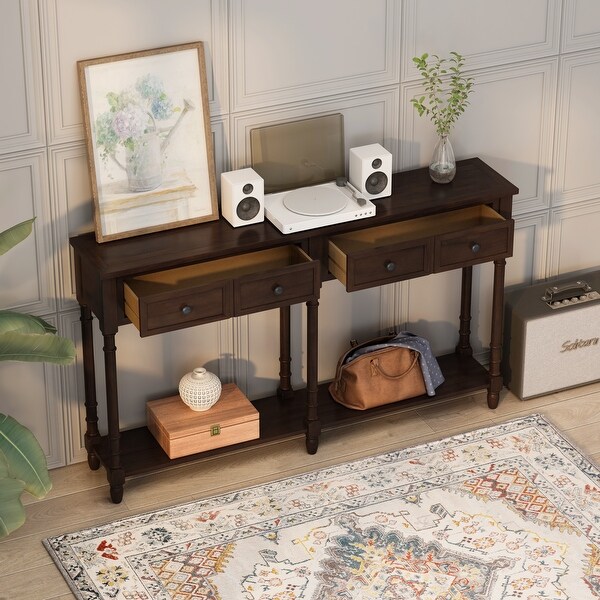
x=315, y=206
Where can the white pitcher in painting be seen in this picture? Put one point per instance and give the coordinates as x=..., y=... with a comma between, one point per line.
x=131, y=124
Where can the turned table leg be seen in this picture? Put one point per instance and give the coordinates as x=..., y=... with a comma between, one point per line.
x=92, y=436
x=284, y=391
x=464, y=333
x=115, y=472
x=313, y=424
x=496, y=334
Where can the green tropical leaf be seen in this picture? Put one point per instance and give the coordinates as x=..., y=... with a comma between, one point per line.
x=22, y=461
x=23, y=457
x=12, y=512
x=23, y=323
x=35, y=347
x=11, y=237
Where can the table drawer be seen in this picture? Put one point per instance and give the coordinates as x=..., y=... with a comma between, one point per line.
x=153, y=311
x=379, y=255
x=474, y=245
x=361, y=269
x=219, y=289
x=296, y=283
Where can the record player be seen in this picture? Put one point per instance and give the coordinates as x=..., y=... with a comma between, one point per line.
x=316, y=206
x=303, y=167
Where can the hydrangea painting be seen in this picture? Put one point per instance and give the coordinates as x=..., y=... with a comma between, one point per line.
x=149, y=140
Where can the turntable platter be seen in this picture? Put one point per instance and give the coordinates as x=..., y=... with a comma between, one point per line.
x=315, y=201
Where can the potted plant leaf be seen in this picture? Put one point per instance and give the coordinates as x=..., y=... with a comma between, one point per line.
x=447, y=92
x=22, y=461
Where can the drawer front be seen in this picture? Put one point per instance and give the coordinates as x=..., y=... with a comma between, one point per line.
x=297, y=283
x=473, y=246
x=388, y=264
x=195, y=306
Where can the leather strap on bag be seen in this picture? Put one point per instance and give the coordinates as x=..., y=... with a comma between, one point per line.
x=342, y=360
x=376, y=368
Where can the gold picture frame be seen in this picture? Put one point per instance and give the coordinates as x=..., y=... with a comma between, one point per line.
x=149, y=141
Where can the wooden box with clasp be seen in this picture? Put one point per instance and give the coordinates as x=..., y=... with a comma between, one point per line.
x=182, y=431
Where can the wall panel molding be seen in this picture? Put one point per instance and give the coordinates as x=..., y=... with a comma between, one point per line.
x=73, y=392
x=22, y=116
x=220, y=138
x=72, y=209
x=303, y=57
x=574, y=244
x=528, y=264
x=65, y=42
x=578, y=121
x=28, y=270
x=581, y=25
x=534, y=29
x=241, y=353
x=390, y=304
x=54, y=416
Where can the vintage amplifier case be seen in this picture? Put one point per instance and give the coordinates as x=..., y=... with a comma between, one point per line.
x=552, y=336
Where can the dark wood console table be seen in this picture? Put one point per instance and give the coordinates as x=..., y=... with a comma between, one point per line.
x=421, y=228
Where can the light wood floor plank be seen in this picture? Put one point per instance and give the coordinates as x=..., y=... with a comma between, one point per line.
x=74, y=478
x=41, y=583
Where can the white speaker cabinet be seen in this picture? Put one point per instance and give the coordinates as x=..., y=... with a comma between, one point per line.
x=242, y=197
x=371, y=171
x=552, y=336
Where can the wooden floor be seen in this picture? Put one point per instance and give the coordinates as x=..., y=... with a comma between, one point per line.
x=79, y=497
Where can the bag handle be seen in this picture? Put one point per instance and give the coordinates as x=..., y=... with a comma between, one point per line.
x=355, y=346
x=376, y=368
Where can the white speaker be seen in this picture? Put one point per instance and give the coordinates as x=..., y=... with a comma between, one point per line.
x=371, y=171
x=552, y=336
x=242, y=197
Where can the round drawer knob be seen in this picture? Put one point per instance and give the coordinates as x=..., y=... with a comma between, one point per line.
x=186, y=310
x=390, y=265
x=278, y=289
x=475, y=247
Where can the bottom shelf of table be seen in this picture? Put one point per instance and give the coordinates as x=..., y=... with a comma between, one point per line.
x=284, y=419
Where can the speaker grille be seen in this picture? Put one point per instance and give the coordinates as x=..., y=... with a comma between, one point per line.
x=248, y=208
x=376, y=182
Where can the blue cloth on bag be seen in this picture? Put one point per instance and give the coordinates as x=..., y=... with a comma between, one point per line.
x=432, y=374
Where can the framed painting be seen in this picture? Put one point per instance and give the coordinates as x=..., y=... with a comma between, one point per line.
x=149, y=141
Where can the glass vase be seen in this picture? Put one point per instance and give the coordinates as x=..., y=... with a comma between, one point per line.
x=442, y=167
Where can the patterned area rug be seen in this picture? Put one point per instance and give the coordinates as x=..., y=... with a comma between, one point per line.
x=506, y=512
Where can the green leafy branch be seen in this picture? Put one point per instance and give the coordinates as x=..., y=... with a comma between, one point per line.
x=447, y=90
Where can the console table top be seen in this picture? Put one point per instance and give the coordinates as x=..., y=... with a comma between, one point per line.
x=413, y=195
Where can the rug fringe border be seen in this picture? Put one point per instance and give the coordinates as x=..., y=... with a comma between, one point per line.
x=65, y=575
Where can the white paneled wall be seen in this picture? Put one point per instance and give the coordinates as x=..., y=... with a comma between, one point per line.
x=577, y=173
x=489, y=33
x=286, y=52
x=533, y=116
x=22, y=115
x=28, y=272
